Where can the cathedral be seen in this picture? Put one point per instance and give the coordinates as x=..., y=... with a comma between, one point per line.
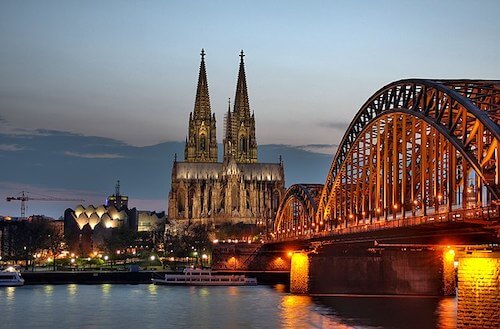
x=238, y=189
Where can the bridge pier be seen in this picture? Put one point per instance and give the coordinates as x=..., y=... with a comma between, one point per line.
x=299, y=273
x=478, y=290
x=348, y=270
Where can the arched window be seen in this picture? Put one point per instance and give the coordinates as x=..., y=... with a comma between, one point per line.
x=276, y=200
x=203, y=142
x=243, y=144
x=180, y=201
x=234, y=197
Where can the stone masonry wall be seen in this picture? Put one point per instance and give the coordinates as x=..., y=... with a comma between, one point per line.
x=479, y=290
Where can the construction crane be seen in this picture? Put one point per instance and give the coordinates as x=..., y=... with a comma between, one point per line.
x=24, y=198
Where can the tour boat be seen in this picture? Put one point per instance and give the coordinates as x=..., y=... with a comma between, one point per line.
x=197, y=277
x=10, y=277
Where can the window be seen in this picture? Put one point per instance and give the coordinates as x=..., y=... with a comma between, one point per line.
x=203, y=142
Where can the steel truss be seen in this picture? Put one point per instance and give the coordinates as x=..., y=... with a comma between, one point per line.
x=297, y=212
x=416, y=147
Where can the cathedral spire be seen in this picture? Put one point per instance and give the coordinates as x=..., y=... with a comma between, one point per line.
x=241, y=105
x=201, y=145
x=202, y=101
x=239, y=141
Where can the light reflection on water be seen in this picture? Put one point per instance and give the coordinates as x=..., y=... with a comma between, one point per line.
x=149, y=306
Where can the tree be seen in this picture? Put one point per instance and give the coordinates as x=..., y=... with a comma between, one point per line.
x=120, y=238
x=34, y=237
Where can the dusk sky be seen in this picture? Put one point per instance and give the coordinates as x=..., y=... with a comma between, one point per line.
x=127, y=70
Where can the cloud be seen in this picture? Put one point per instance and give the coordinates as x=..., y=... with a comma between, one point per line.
x=339, y=125
x=319, y=148
x=95, y=155
x=10, y=147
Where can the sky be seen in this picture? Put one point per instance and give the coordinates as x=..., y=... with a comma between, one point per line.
x=127, y=70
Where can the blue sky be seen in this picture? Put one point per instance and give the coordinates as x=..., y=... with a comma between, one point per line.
x=127, y=70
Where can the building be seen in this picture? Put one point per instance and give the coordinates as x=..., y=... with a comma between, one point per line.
x=238, y=189
x=87, y=228
x=150, y=220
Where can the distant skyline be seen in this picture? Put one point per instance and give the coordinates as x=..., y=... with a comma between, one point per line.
x=120, y=76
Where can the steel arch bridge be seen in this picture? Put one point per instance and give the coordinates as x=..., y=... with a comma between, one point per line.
x=417, y=150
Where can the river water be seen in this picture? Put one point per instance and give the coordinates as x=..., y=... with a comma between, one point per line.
x=143, y=306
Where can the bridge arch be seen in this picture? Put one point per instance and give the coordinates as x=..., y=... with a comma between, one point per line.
x=297, y=211
x=412, y=145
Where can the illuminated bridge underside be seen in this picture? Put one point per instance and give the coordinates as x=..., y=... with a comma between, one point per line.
x=417, y=148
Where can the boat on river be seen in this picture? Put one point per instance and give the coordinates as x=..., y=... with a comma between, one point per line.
x=11, y=277
x=198, y=277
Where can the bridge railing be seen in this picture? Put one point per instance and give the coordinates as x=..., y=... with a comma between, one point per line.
x=480, y=215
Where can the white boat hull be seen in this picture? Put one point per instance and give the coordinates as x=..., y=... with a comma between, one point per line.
x=202, y=283
x=11, y=283
x=11, y=278
x=198, y=277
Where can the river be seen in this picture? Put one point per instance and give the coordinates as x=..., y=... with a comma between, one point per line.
x=144, y=306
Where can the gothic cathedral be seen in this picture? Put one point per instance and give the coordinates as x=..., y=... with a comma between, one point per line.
x=239, y=189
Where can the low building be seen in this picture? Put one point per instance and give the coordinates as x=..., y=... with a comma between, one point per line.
x=87, y=228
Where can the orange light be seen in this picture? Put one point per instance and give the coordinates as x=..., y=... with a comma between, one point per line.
x=290, y=254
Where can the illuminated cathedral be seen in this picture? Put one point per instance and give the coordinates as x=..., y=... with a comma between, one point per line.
x=238, y=189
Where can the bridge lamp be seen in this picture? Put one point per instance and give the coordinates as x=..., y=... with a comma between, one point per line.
x=351, y=216
x=395, y=206
x=379, y=210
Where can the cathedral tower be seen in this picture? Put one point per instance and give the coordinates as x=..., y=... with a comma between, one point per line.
x=239, y=137
x=236, y=190
x=201, y=143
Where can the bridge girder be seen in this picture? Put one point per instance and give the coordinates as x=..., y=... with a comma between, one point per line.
x=465, y=112
x=413, y=146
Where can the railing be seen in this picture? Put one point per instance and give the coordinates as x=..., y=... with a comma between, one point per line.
x=477, y=215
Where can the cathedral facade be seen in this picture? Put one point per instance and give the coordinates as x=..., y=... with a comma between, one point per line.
x=238, y=189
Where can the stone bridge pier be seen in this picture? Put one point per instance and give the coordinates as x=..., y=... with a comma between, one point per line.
x=353, y=270
x=405, y=271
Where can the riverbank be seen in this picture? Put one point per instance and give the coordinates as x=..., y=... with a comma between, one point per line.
x=126, y=277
